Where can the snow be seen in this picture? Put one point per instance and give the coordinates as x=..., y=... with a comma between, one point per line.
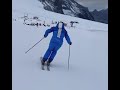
x=88, y=60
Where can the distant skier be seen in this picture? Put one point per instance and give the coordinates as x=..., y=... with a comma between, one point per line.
x=71, y=23
x=56, y=42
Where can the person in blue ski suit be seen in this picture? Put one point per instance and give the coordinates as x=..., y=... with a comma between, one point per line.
x=56, y=42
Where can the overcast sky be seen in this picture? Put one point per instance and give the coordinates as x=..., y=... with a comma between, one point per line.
x=94, y=4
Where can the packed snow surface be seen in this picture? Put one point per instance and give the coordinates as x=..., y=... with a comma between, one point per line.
x=88, y=57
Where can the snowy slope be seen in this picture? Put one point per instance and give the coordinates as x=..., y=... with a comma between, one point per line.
x=89, y=52
x=67, y=7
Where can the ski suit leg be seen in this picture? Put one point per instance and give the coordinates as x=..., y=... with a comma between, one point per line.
x=49, y=51
x=54, y=52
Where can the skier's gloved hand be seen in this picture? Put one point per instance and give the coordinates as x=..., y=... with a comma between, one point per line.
x=45, y=36
x=70, y=43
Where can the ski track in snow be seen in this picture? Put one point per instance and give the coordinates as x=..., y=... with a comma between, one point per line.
x=88, y=60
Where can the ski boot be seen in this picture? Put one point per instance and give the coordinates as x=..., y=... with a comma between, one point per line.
x=48, y=65
x=42, y=64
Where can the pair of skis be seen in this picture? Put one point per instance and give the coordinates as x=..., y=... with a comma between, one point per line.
x=43, y=66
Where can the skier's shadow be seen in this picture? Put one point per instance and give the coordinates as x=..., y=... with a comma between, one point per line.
x=55, y=65
x=63, y=67
x=58, y=65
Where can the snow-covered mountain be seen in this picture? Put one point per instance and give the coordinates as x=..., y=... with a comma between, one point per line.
x=88, y=52
x=67, y=7
x=100, y=16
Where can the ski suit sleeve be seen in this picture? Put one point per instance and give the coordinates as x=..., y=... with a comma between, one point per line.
x=48, y=31
x=68, y=38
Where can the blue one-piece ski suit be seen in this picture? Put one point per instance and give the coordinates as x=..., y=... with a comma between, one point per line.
x=55, y=42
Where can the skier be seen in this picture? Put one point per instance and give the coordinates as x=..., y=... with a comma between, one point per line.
x=56, y=42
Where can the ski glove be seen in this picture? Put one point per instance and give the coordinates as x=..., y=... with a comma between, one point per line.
x=48, y=31
x=45, y=36
x=70, y=43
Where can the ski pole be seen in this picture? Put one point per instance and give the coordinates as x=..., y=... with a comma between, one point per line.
x=69, y=57
x=34, y=45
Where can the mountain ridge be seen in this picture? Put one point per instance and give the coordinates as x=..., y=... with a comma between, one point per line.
x=67, y=7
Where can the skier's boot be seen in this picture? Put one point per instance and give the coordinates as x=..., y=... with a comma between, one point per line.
x=42, y=64
x=48, y=65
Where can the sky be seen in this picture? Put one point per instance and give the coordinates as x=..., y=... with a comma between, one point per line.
x=94, y=4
